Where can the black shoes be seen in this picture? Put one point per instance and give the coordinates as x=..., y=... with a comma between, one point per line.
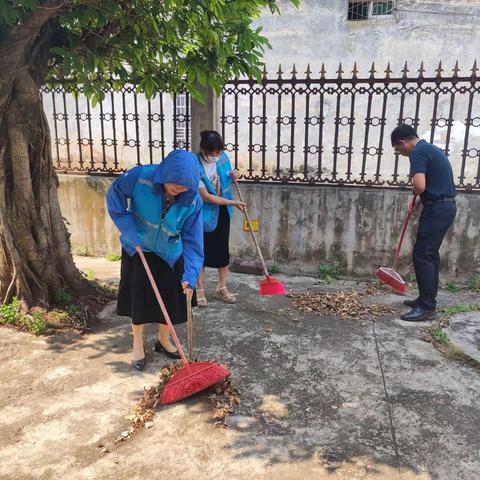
x=160, y=349
x=140, y=364
x=411, y=303
x=419, y=314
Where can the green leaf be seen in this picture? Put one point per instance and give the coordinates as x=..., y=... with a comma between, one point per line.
x=155, y=45
x=97, y=97
x=58, y=51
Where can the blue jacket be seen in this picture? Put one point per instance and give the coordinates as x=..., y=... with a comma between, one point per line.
x=180, y=231
x=211, y=210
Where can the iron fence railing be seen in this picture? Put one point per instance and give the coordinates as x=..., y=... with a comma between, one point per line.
x=317, y=130
x=310, y=130
x=123, y=130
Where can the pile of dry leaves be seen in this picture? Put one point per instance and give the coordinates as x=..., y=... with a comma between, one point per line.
x=347, y=305
x=222, y=399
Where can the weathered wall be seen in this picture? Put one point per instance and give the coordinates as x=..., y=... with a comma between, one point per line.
x=318, y=31
x=301, y=227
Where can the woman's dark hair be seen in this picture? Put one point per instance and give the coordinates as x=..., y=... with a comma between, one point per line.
x=403, y=132
x=211, y=141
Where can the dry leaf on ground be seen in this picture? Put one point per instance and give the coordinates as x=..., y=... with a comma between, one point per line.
x=345, y=304
x=222, y=399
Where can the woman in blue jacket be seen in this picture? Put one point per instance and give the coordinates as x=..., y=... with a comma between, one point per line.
x=158, y=208
x=215, y=188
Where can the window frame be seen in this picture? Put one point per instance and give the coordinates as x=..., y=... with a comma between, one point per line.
x=370, y=16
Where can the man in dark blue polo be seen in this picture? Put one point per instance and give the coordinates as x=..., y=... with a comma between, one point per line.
x=432, y=179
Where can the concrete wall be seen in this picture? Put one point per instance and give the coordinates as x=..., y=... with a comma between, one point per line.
x=318, y=31
x=300, y=227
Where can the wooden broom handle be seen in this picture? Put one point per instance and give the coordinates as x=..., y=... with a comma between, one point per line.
x=190, y=328
x=255, y=241
x=404, y=229
x=162, y=306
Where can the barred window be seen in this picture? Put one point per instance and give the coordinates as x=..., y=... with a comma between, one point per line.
x=181, y=125
x=369, y=9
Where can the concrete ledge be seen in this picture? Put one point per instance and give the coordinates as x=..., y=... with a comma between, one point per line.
x=300, y=226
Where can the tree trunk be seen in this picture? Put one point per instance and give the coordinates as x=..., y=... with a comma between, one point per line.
x=35, y=258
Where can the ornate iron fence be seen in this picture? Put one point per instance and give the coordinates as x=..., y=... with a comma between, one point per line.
x=310, y=130
x=123, y=130
x=320, y=130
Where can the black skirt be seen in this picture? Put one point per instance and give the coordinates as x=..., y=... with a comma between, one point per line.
x=217, y=253
x=136, y=298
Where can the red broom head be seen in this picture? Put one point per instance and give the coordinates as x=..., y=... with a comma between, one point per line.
x=191, y=379
x=272, y=286
x=392, y=278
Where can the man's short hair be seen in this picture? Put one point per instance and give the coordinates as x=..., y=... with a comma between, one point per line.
x=403, y=132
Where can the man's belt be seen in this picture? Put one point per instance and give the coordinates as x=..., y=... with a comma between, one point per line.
x=440, y=200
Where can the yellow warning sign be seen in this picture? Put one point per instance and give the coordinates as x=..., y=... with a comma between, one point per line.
x=255, y=225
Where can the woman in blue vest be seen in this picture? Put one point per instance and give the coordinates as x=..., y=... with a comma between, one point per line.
x=158, y=208
x=215, y=188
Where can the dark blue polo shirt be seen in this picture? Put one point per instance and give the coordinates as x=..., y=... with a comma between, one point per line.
x=432, y=161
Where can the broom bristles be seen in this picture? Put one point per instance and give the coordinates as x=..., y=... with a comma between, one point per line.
x=392, y=278
x=272, y=286
x=193, y=379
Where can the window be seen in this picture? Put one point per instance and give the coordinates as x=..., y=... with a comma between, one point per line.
x=181, y=120
x=369, y=9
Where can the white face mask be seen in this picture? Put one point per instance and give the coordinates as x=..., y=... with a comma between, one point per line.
x=211, y=159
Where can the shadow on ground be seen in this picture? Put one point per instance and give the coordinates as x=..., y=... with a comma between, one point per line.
x=321, y=398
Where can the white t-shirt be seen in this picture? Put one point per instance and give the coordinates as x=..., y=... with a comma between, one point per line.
x=211, y=173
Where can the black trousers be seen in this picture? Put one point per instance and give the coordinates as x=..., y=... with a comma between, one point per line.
x=434, y=223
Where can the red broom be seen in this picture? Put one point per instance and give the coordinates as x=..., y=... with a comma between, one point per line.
x=271, y=285
x=192, y=377
x=390, y=276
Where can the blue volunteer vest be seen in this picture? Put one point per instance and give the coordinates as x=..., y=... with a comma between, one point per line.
x=160, y=236
x=210, y=210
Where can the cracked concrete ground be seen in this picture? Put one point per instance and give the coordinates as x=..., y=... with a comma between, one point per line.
x=322, y=398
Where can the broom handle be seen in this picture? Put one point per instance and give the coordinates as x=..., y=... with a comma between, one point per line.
x=255, y=241
x=190, y=328
x=404, y=229
x=162, y=307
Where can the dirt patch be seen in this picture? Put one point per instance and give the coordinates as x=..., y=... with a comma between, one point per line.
x=78, y=312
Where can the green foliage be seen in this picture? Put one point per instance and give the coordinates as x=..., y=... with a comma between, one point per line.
x=10, y=313
x=410, y=278
x=451, y=350
x=73, y=309
x=273, y=269
x=452, y=287
x=81, y=251
x=89, y=275
x=35, y=323
x=473, y=282
x=150, y=43
x=15, y=11
x=439, y=335
x=113, y=257
x=105, y=288
x=60, y=316
x=64, y=297
x=327, y=272
x=460, y=308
